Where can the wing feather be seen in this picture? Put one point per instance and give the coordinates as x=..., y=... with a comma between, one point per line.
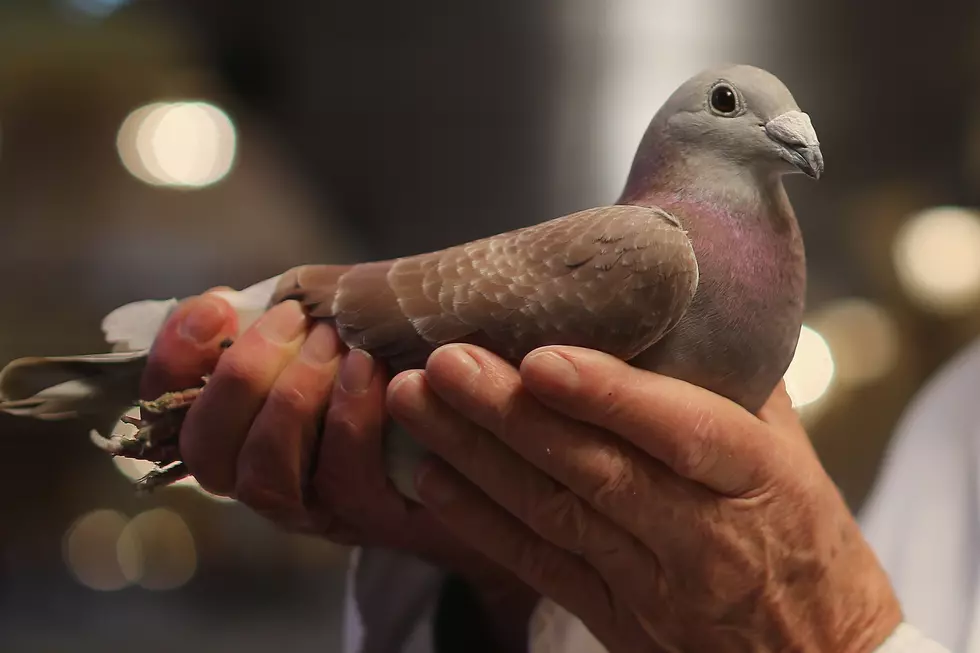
x=613, y=278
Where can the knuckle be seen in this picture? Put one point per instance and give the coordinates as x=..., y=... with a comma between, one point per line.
x=616, y=473
x=253, y=495
x=285, y=399
x=340, y=426
x=259, y=497
x=534, y=563
x=696, y=452
x=269, y=488
x=561, y=518
x=278, y=509
x=238, y=369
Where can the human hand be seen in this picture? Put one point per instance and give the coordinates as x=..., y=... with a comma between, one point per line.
x=662, y=515
x=273, y=429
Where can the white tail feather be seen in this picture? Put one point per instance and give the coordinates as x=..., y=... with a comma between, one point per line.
x=54, y=388
x=135, y=326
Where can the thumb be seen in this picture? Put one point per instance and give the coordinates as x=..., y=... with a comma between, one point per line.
x=188, y=345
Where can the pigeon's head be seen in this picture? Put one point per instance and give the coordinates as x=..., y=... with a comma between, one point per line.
x=745, y=115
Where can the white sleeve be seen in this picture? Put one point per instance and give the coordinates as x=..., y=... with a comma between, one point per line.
x=353, y=626
x=907, y=639
x=554, y=630
x=390, y=603
x=921, y=516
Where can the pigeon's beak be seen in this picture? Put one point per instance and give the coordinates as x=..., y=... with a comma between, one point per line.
x=798, y=142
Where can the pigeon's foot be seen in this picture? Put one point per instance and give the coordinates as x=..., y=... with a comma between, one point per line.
x=157, y=436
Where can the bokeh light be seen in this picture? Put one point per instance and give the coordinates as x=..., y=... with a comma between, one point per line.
x=96, y=8
x=178, y=144
x=90, y=550
x=156, y=550
x=810, y=374
x=937, y=259
x=863, y=337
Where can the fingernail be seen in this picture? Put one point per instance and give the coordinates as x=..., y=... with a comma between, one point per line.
x=283, y=323
x=433, y=490
x=203, y=321
x=404, y=380
x=551, y=364
x=357, y=372
x=459, y=356
x=321, y=345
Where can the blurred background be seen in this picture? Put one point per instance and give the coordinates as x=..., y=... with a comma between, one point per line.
x=156, y=148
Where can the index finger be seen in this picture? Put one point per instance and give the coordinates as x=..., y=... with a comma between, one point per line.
x=698, y=434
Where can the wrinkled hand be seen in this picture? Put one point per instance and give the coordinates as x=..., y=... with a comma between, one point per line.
x=664, y=516
x=275, y=431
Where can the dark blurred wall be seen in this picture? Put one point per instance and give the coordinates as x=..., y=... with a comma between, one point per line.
x=893, y=88
x=425, y=123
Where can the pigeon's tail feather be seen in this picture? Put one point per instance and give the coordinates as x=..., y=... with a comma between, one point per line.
x=66, y=387
x=106, y=385
x=134, y=326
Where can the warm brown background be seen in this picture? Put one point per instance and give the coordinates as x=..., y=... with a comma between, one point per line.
x=374, y=129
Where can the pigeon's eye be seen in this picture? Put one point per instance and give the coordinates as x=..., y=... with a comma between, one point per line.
x=724, y=100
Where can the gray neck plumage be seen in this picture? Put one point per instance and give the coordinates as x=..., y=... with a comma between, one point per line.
x=717, y=200
x=720, y=203
x=749, y=302
x=666, y=173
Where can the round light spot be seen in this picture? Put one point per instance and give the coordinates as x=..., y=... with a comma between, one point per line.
x=156, y=550
x=863, y=337
x=937, y=259
x=810, y=374
x=178, y=144
x=96, y=8
x=89, y=550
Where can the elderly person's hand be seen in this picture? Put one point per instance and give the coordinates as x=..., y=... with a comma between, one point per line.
x=662, y=515
x=275, y=431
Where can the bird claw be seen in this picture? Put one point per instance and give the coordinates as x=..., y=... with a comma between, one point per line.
x=169, y=403
x=162, y=477
x=156, y=438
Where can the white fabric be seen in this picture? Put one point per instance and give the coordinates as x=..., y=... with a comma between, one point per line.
x=922, y=518
x=555, y=630
x=353, y=633
x=908, y=639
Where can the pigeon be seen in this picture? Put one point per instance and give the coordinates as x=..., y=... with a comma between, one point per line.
x=697, y=272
